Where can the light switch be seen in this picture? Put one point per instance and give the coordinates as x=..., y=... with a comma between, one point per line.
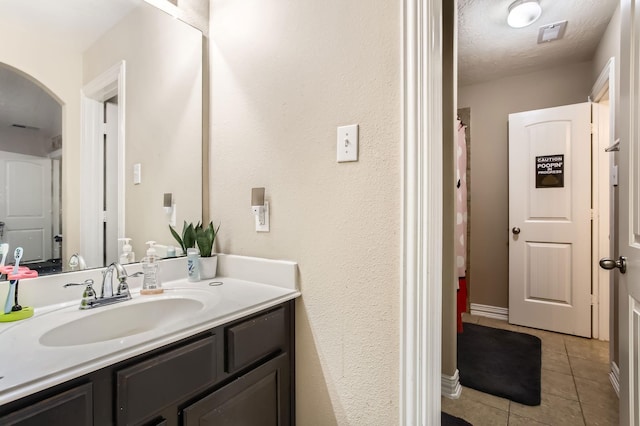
x=347, y=144
x=137, y=173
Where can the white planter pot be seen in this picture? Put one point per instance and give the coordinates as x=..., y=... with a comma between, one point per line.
x=208, y=267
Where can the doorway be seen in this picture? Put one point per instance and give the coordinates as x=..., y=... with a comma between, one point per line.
x=559, y=85
x=102, y=153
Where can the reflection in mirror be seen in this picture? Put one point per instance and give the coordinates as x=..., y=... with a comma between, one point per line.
x=30, y=170
x=64, y=55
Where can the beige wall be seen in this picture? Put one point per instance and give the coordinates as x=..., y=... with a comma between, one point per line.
x=490, y=104
x=57, y=68
x=608, y=47
x=163, y=118
x=284, y=76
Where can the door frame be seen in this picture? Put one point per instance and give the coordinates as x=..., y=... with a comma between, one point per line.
x=421, y=304
x=94, y=94
x=600, y=231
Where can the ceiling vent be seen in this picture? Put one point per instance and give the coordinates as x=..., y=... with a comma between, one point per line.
x=551, y=32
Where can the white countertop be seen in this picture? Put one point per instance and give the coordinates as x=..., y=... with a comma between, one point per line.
x=27, y=366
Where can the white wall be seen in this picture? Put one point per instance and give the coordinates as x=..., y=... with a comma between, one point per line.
x=491, y=103
x=284, y=76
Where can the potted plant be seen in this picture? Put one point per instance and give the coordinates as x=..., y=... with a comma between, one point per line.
x=205, y=238
x=188, y=238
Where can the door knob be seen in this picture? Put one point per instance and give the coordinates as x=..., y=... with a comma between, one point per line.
x=621, y=263
x=515, y=230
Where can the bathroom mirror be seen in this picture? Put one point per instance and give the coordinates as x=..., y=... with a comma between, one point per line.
x=121, y=59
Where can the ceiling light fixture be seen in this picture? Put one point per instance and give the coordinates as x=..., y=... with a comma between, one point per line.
x=523, y=13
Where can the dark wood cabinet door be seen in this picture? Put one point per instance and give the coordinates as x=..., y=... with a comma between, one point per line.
x=256, y=338
x=145, y=388
x=259, y=398
x=69, y=408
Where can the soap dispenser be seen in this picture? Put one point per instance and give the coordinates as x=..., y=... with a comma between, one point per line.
x=151, y=281
x=127, y=256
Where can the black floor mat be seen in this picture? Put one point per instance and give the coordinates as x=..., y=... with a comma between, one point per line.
x=449, y=420
x=500, y=362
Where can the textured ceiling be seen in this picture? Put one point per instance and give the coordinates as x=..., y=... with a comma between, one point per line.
x=24, y=103
x=489, y=49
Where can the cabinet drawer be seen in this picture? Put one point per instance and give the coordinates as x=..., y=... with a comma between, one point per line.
x=254, y=339
x=70, y=408
x=149, y=386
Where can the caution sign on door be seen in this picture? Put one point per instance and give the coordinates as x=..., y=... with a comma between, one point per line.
x=550, y=171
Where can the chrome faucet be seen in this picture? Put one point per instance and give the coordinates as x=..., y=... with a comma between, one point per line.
x=107, y=280
x=76, y=262
x=107, y=296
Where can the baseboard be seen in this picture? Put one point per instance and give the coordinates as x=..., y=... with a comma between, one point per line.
x=614, y=378
x=450, y=386
x=490, y=311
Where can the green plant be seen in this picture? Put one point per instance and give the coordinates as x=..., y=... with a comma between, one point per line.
x=205, y=238
x=188, y=238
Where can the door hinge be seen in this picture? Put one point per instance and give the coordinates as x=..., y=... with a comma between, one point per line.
x=104, y=216
x=592, y=128
x=104, y=128
x=592, y=214
x=594, y=300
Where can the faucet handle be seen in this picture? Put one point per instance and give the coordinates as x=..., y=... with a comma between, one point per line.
x=88, y=282
x=123, y=289
x=88, y=295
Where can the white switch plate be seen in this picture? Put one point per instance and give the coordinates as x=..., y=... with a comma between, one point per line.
x=137, y=173
x=347, y=144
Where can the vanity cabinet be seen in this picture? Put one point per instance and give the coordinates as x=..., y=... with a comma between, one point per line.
x=71, y=407
x=240, y=373
x=260, y=397
x=165, y=379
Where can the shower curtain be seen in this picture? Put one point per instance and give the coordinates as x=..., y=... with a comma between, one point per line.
x=461, y=200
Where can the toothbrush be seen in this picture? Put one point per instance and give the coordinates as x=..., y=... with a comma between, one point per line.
x=4, y=249
x=8, y=307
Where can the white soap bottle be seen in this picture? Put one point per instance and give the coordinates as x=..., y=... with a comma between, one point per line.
x=127, y=255
x=150, y=267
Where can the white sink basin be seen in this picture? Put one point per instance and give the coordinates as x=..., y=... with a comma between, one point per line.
x=121, y=320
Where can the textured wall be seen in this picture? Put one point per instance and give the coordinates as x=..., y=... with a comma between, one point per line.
x=608, y=47
x=490, y=104
x=284, y=75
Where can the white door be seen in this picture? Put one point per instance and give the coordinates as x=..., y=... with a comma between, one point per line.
x=550, y=219
x=629, y=216
x=111, y=183
x=25, y=205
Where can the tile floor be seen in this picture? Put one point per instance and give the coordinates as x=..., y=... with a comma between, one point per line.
x=575, y=386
